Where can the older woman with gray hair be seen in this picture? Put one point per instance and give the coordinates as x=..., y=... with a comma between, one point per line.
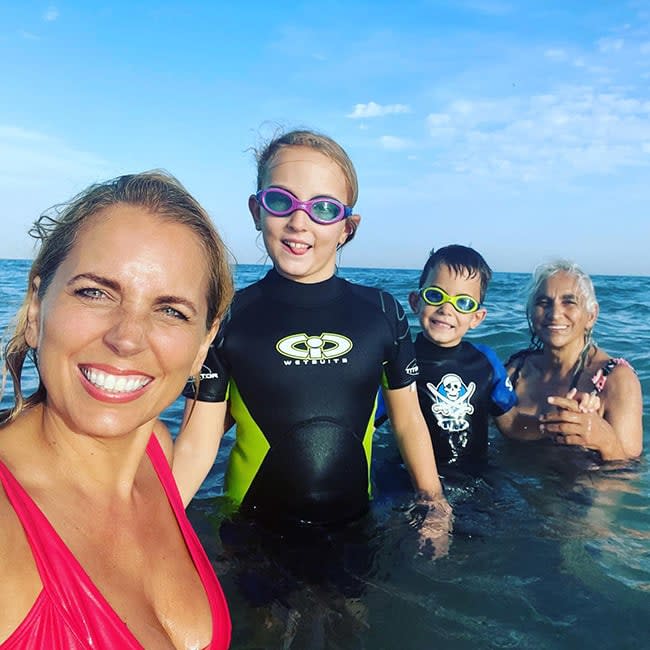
x=571, y=391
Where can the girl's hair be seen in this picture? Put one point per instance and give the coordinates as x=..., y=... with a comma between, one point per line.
x=314, y=140
x=57, y=231
x=585, y=288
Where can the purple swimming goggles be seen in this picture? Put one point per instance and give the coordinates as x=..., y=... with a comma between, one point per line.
x=279, y=202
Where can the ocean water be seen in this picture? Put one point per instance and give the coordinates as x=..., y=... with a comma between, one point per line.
x=547, y=551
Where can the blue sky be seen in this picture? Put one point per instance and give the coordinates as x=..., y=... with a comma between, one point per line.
x=519, y=127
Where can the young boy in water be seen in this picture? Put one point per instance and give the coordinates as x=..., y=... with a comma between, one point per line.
x=460, y=383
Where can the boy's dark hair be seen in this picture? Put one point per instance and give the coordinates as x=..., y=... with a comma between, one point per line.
x=460, y=259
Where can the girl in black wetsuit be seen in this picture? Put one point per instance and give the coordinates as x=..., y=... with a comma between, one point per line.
x=298, y=360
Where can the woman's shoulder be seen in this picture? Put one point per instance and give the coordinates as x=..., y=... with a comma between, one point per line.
x=517, y=360
x=515, y=363
x=19, y=577
x=605, y=369
x=17, y=437
x=10, y=527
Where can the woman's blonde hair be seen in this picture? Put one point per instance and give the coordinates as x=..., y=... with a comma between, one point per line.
x=57, y=231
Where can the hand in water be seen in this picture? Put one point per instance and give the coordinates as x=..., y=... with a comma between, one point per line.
x=434, y=521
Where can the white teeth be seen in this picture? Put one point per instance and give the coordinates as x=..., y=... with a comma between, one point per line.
x=114, y=383
x=296, y=245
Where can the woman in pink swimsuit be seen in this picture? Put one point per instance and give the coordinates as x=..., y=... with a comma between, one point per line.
x=571, y=391
x=123, y=299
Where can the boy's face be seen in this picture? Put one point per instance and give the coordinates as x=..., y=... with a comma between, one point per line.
x=443, y=325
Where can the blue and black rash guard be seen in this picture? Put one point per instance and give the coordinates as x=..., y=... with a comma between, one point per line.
x=458, y=389
x=301, y=364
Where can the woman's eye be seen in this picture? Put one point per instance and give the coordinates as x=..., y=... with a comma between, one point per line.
x=89, y=292
x=174, y=313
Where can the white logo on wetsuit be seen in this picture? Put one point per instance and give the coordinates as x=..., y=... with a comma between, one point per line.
x=412, y=368
x=314, y=349
x=451, y=403
x=207, y=373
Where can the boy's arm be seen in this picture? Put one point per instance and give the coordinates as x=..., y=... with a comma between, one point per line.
x=413, y=439
x=510, y=421
x=502, y=395
x=197, y=444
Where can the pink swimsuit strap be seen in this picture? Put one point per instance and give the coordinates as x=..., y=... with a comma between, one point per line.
x=600, y=376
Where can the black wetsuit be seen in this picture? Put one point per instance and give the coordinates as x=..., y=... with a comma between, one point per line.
x=302, y=363
x=458, y=389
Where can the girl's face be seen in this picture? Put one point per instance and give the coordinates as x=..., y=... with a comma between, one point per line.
x=301, y=249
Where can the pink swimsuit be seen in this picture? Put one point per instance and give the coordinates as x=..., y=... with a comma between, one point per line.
x=70, y=613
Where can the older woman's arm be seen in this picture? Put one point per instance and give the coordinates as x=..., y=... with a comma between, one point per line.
x=518, y=426
x=616, y=432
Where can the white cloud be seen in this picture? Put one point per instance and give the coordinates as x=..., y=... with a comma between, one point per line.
x=644, y=48
x=36, y=172
x=555, y=54
x=573, y=132
x=51, y=14
x=29, y=155
x=372, y=109
x=29, y=36
x=18, y=133
x=393, y=143
x=606, y=45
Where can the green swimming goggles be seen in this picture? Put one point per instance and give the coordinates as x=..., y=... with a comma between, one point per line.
x=462, y=302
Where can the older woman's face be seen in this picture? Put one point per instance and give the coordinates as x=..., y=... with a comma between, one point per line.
x=122, y=325
x=559, y=313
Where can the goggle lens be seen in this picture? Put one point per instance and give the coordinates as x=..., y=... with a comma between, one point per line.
x=462, y=303
x=326, y=210
x=280, y=203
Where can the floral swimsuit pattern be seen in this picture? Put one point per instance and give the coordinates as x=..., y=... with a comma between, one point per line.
x=599, y=378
